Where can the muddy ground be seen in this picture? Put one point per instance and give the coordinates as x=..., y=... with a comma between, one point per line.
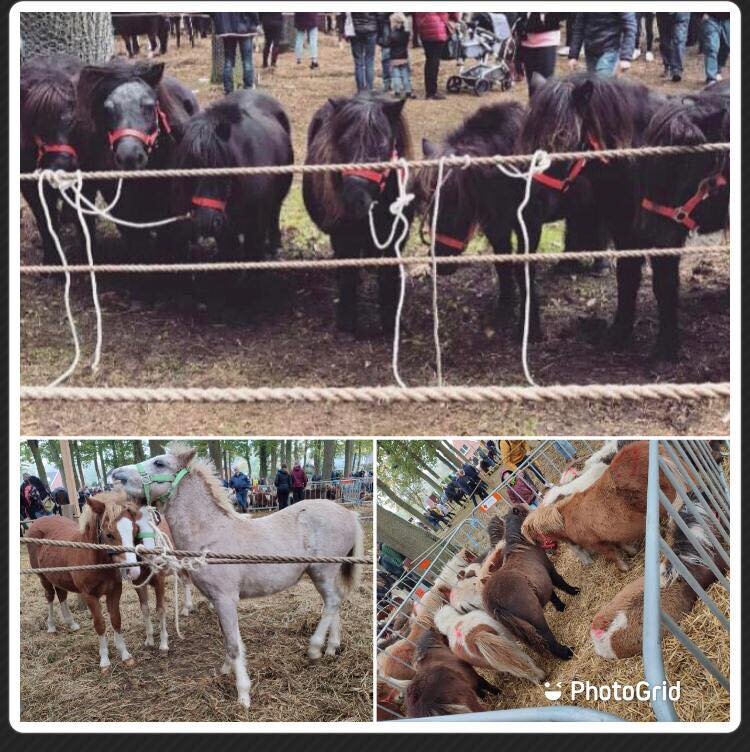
x=277, y=329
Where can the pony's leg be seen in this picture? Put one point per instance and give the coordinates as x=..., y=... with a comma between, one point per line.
x=559, y=582
x=500, y=240
x=666, y=284
x=629, y=272
x=226, y=609
x=113, y=608
x=29, y=191
x=556, y=602
x=324, y=577
x=143, y=600
x=161, y=612
x=344, y=246
x=49, y=593
x=629, y=548
x=96, y=614
x=72, y=624
x=388, y=298
x=612, y=553
x=188, y=586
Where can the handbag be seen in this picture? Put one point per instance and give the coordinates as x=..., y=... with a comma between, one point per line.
x=349, y=27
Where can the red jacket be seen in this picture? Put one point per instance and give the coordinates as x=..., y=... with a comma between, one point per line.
x=299, y=479
x=432, y=26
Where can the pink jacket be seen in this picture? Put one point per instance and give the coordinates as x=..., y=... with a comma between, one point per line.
x=432, y=26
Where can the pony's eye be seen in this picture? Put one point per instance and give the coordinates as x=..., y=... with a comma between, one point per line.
x=109, y=536
x=158, y=463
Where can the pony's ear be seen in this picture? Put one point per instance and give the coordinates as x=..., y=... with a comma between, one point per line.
x=336, y=102
x=223, y=130
x=184, y=456
x=394, y=109
x=582, y=94
x=428, y=148
x=189, y=106
x=96, y=505
x=536, y=83
x=151, y=73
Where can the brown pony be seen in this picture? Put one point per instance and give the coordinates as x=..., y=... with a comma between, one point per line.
x=609, y=515
x=443, y=684
x=107, y=518
x=517, y=593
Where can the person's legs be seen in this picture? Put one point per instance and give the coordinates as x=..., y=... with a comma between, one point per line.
x=370, y=46
x=397, y=82
x=538, y=60
x=431, y=66
x=358, y=53
x=723, y=55
x=710, y=46
x=638, y=25
x=385, y=64
x=230, y=57
x=282, y=498
x=266, y=48
x=679, y=37
x=246, y=52
x=664, y=25
x=648, y=20
x=313, y=42
x=299, y=42
x=603, y=65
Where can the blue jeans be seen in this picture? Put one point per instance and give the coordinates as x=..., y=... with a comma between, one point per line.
x=672, y=38
x=603, y=64
x=242, y=499
x=401, y=78
x=565, y=448
x=230, y=58
x=363, y=51
x=715, y=45
x=385, y=62
x=312, y=43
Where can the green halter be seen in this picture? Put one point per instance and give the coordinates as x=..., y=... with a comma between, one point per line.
x=147, y=480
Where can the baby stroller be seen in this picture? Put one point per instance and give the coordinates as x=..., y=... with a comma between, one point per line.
x=488, y=41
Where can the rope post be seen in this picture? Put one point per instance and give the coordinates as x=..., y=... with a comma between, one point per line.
x=69, y=477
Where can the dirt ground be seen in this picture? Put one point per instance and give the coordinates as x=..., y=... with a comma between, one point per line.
x=278, y=329
x=186, y=684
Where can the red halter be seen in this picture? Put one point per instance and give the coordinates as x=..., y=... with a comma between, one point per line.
x=45, y=148
x=563, y=184
x=209, y=203
x=148, y=139
x=455, y=243
x=374, y=176
x=681, y=214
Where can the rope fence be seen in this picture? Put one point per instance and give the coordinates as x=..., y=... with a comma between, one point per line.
x=539, y=161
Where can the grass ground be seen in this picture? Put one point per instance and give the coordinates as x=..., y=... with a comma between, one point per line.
x=60, y=678
x=279, y=331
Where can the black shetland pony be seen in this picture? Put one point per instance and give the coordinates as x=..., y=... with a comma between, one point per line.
x=589, y=112
x=245, y=129
x=48, y=100
x=359, y=129
x=130, y=25
x=482, y=198
x=131, y=117
x=682, y=194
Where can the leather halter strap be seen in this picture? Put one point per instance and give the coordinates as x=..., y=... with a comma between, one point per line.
x=457, y=244
x=209, y=203
x=563, y=184
x=42, y=148
x=682, y=214
x=374, y=176
x=148, y=139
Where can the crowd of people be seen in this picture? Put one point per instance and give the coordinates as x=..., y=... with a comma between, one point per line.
x=38, y=500
x=609, y=43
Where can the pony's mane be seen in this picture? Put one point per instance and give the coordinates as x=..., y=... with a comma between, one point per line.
x=347, y=130
x=114, y=504
x=46, y=97
x=427, y=641
x=203, y=468
x=553, y=121
x=201, y=146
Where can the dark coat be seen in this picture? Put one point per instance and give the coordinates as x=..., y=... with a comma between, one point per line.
x=471, y=472
x=398, y=44
x=432, y=27
x=239, y=482
x=235, y=24
x=365, y=23
x=283, y=480
x=535, y=23
x=305, y=21
x=271, y=20
x=601, y=32
x=299, y=478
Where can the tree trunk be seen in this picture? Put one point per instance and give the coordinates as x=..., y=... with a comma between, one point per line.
x=458, y=458
x=316, y=457
x=419, y=463
x=156, y=447
x=78, y=464
x=430, y=482
x=329, y=448
x=398, y=501
x=446, y=455
x=115, y=454
x=40, y=471
x=99, y=476
x=138, y=450
x=274, y=457
x=88, y=36
x=263, y=459
x=214, y=452
x=348, y=457
x=101, y=461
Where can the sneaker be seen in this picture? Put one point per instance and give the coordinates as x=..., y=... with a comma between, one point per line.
x=436, y=96
x=710, y=82
x=314, y=65
x=719, y=77
x=412, y=95
x=636, y=53
x=649, y=57
x=563, y=51
x=676, y=78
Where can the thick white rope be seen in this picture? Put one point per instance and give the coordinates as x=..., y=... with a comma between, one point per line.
x=540, y=162
x=397, y=208
x=66, y=295
x=433, y=235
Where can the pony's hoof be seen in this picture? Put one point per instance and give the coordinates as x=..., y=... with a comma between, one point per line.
x=331, y=652
x=149, y=643
x=51, y=630
x=185, y=612
x=104, y=670
x=129, y=662
x=75, y=626
x=314, y=653
x=244, y=700
x=574, y=590
x=566, y=653
x=225, y=668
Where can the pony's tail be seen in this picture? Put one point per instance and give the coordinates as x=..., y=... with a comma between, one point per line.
x=351, y=574
x=521, y=629
x=507, y=656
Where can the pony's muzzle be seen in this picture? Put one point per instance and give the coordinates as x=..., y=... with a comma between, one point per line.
x=130, y=154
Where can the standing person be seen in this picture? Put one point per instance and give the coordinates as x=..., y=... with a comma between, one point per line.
x=673, y=29
x=240, y=484
x=273, y=24
x=399, y=58
x=468, y=487
x=384, y=42
x=283, y=483
x=361, y=29
x=514, y=453
x=714, y=36
x=306, y=26
x=519, y=490
x=645, y=20
x=237, y=30
x=607, y=38
x=434, y=30
x=299, y=481
x=570, y=19
x=539, y=34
